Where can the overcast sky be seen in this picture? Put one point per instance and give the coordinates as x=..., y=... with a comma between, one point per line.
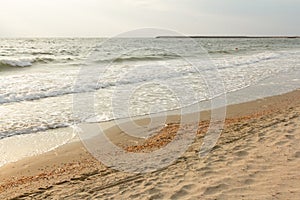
x=105, y=18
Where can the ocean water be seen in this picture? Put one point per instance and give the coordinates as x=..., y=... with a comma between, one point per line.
x=39, y=78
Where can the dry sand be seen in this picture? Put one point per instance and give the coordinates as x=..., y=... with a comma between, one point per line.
x=257, y=157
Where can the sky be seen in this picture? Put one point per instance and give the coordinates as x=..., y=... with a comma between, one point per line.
x=108, y=18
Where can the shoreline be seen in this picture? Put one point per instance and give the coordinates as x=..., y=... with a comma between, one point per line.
x=72, y=162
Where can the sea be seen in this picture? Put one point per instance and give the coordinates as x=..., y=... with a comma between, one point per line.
x=45, y=83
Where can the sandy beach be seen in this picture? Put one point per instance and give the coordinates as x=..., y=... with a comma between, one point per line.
x=150, y=100
x=256, y=157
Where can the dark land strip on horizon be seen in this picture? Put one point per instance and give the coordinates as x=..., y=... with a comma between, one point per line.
x=231, y=37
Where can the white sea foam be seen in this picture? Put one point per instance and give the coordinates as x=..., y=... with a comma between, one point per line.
x=16, y=62
x=44, y=85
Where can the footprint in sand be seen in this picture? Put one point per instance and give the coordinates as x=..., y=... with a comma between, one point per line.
x=180, y=194
x=248, y=181
x=280, y=143
x=291, y=137
x=297, y=154
x=216, y=189
x=157, y=197
x=241, y=153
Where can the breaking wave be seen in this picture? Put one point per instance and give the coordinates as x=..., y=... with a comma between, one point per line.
x=23, y=62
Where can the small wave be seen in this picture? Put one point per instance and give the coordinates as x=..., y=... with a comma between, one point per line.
x=30, y=130
x=142, y=58
x=23, y=62
x=43, y=60
x=219, y=52
x=42, y=53
x=249, y=60
x=16, y=63
x=258, y=58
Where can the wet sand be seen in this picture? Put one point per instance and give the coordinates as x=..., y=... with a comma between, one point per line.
x=256, y=157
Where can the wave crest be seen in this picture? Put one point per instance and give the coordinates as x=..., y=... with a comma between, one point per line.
x=23, y=62
x=151, y=57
